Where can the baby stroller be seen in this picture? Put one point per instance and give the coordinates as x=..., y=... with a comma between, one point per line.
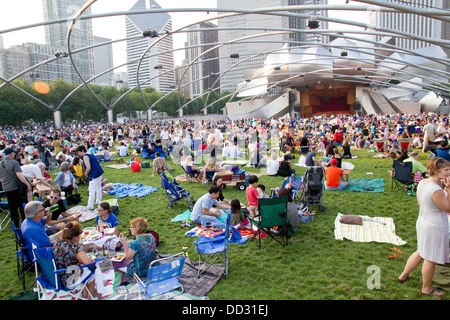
x=174, y=191
x=313, y=187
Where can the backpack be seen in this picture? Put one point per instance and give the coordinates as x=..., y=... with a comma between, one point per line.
x=155, y=235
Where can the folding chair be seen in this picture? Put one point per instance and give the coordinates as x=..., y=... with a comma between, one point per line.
x=50, y=277
x=4, y=210
x=380, y=145
x=212, y=249
x=23, y=264
x=401, y=176
x=405, y=145
x=163, y=276
x=273, y=221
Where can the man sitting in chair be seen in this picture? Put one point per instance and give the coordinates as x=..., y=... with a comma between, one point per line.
x=203, y=209
x=335, y=180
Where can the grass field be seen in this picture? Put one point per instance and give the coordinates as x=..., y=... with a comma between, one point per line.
x=314, y=266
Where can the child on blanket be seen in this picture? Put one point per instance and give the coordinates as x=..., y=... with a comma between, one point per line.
x=237, y=216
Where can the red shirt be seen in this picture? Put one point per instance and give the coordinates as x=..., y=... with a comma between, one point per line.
x=252, y=196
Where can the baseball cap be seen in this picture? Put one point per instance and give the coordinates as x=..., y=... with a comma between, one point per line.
x=333, y=162
x=8, y=151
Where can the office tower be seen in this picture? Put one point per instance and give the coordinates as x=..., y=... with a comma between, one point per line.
x=81, y=35
x=254, y=54
x=301, y=23
x=103, y=60
x=205, y=69
x=13, y=60
x=415, y=24
x=156, y=69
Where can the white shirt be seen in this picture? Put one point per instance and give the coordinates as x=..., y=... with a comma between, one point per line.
x=31, y=171
x=272, y=167
x=165, y=135
x=123, y=151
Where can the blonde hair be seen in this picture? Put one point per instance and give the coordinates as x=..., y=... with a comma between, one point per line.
x=139, y=224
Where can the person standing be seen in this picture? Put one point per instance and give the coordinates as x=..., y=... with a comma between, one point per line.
x=165, y=139
x=94, y=171
x=431, y=226
x=13, y=182
x=41, y=145
x=429, y=135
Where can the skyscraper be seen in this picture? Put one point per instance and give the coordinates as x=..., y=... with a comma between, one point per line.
x=156, y=69
x=206, y=67
x=81, y=35
x=420, y=25
x=233, y=73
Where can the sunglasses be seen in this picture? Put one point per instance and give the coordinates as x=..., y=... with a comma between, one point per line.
x=53, y=197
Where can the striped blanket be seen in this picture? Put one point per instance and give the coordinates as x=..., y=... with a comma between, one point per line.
x=369, y=231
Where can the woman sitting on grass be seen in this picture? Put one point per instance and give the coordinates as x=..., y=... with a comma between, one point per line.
x=142, y=250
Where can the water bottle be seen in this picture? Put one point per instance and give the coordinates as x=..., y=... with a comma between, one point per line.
x=185, y=250
x=54, y=207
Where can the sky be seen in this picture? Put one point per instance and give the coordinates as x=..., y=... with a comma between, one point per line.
x=22, y=12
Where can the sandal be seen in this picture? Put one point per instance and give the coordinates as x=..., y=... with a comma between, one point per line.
x=392, y=256
x=433, y=293
x=397, y=249
x=406, y=279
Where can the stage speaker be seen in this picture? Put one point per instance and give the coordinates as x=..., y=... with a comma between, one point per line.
x=356, y=106
x=326, y=97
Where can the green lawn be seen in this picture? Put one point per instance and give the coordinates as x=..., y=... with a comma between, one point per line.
x=314, y=266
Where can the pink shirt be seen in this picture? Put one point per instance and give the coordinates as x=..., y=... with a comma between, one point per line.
x=252, y=196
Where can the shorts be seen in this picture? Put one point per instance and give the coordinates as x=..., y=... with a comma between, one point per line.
x=253, y=210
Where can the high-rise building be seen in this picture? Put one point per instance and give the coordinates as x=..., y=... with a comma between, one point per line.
x=103, y=60
x=156, y=69
x=81, y=34
x=251, y=55
x=301, y=23
x=420, y=25
x=206, y=67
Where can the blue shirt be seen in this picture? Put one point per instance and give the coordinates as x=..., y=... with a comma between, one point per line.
x=111, y=221
x=204, y=202
x=32, y=230
x=96, y=168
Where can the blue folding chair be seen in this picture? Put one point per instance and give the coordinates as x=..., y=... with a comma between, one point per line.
x=163, y=276
x=50, y=276
x=23, y=264
x=4, y=210
x=212, y=249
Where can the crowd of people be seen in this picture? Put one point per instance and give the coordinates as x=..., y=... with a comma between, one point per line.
x=27, y=154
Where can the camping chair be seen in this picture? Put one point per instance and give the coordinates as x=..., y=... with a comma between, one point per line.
x=380, y=145
x=163, y=276
x=212, y=249
x=50, y=280
x=190, y=176
x=401, y=175
x=4, y=210
x=273, y=221
x=405, y=145
x=23, y=264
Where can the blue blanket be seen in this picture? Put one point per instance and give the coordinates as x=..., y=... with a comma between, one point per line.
x=122, y=190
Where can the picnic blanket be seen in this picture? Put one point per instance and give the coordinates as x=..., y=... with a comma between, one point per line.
x=86, y=214
x=369, y=231
x=119, y=166
x=364, y=185
x=122, y=190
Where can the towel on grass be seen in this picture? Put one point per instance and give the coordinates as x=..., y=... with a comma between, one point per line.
x=122, y=190
x=361, y=184
x=235, y=235
x=369, y=231
x=187, y=216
